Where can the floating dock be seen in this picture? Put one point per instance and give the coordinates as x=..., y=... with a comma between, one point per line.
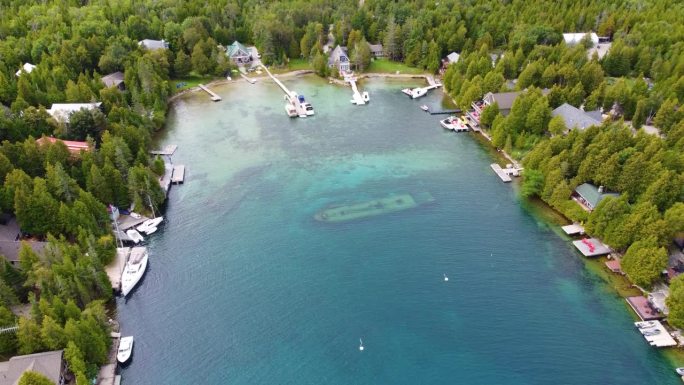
x=167, y=150
x=500, y=172
x=212, y=94
x=386, y=205
x=573, y=229
x=178, y=174
x=443, y=112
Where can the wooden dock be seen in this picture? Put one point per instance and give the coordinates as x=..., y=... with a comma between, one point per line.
x=212, y=94
x=250, y=80
x=444, y=112
x=178, y=174
x=167, y=150
x=115, y=268
x=500, y=172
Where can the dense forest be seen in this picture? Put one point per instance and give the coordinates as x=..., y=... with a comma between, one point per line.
x=504, y=45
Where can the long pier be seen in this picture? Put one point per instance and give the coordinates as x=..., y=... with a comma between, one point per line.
x=294, y=106
x=500, y=172
x=212, y=94
x=357, y=98
x=250, y=80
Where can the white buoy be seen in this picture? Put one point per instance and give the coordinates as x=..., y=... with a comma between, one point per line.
x=446, y=279
x=360, y=345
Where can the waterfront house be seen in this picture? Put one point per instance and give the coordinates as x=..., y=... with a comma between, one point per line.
x=575, y=118
x=49, y=364
x=238, y=53
x=10, y=243
x=376, y=50
x=115, y=79
x=74, y=147
x=27, y=68
x=576, y=38
x=448, y=60
x=339, y=58
x=153, y=44
x=62, y=111
x=589, y=196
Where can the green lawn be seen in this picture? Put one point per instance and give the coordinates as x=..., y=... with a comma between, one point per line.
x=189, y=82
x=299, y=64
x=391, y=67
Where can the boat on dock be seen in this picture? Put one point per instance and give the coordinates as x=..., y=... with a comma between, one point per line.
x=134, y=269
x=134, y=236
x=415, y=93
x=125, y=349
x=389, y=204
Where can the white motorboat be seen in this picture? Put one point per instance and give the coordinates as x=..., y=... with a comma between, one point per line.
x=308, y=108
x=680, y=371
x=415, y=93
x=425, y=108
x=125, y=349
x=366, y=97
x=135, y=236
x=450, y=123
x=134, y=269
x=150, y=224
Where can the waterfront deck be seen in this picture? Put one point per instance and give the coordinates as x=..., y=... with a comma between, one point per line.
x=115, y=268
x=500, y=172
x=643, y=308
x=168, y=150
x=127, y=221
x=107, y=374
x=591, y=247
x=214, y=97
x=573, y=229
x=178, y=174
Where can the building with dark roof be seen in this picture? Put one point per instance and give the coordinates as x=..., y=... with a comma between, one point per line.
x=376, y=50
x=589, y=196
x=238, y=53
x=49, y=364
x=340, y=59
x=115, y=79
x=574, y=118
x=503, y=99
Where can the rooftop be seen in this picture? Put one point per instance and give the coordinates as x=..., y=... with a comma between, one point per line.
x=453, y=57
x=375, y=48
x=576, y=38
x=592, y=195
x=48, y=364
x=75, y=147
x=27, y=67
x=113, y=79
x=62, y=111
x=339, y=54
x=503, y=99
x=153, y=44
x=643, y=308
x=237, y=49
x=10, y=249
x=576, y=118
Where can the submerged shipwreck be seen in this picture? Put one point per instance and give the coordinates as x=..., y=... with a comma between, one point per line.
x=389, y=204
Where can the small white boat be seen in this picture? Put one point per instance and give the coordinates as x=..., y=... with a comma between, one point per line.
x=446, y=279
x=134, y=269
x=366, y=97
x=450, y=123
x=360, y=344
x=135, y=215
x=646, y=324
x=425, y=108
x=135, y=236
x=418, y=92
x=150, y=224
x=125, y=349
x=680, y=371
x=309, y=109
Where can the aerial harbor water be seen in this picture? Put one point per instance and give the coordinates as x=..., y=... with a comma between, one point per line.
x=246, y=286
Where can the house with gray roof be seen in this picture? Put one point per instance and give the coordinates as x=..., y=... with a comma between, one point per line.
x=238, y=53
x=115, y=79
x=589, y=196
x=376, y=50
x=574, y=118
x=452, y=58
x=340, y=59
x=153, y=44
x=503, y=99
x=49, y=364
x=10, y=242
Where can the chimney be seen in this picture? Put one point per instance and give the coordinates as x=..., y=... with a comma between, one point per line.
x=600, y=190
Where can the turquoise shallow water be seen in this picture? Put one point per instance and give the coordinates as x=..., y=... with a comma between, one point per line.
x=245, y=287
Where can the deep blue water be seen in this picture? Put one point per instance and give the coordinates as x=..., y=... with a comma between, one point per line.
x=245, y=287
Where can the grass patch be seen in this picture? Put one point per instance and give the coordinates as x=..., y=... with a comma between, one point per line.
x=390, y=67
x=299, y=64
x=183, y=83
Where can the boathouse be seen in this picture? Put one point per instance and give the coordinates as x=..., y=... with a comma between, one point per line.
x=589, y=196
x=115, y=79
x=26, y=68
x=376, y=50
x=574, y=118
x=153, y=44
x=49, y=364
x=643, y=308
x=503, y=99
x=238, y=53
x=339, y=59
x=62, y=111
